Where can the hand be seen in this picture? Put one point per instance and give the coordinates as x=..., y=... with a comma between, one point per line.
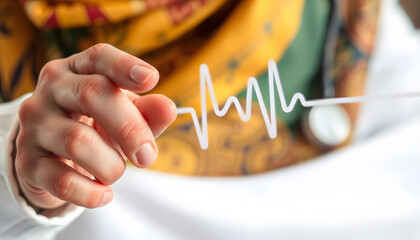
x=78, y=126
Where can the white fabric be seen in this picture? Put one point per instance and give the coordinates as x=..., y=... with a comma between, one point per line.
x=354, y=194
x=17, y=219
x=395, y=69
x=366, y=191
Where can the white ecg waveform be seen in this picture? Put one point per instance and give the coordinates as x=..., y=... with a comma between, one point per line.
x=270, y=121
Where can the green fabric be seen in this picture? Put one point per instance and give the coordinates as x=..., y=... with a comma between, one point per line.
x=299, y=66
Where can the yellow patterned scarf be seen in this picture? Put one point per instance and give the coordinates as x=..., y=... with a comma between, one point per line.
x=235, y=38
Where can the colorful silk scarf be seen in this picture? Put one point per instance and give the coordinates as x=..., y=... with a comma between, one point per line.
x=234, y=38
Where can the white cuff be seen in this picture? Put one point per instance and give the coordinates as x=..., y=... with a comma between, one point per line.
x=18, y=220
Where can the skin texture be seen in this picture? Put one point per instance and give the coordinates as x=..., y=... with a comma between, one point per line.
x=82, y=121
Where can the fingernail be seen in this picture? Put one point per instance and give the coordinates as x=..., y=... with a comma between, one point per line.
x=141, y=75
x=107, y=198
x=146, y=155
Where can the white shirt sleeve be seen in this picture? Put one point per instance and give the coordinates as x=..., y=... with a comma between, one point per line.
x=17, y=219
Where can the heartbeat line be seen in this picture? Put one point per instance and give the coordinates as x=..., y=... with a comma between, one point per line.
x=270, y=121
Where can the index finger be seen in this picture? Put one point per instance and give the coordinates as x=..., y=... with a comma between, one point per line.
x=125, y=70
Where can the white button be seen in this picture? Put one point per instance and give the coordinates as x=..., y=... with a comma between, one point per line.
x=330, y=125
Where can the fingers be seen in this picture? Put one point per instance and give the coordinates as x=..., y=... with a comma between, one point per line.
x=58, y=148
x=84, y=146
x=157, y=110
x=125, y=70
x=63, y=182
x=95, y=96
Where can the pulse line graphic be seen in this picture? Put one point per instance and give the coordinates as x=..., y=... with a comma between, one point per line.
x=269, y=119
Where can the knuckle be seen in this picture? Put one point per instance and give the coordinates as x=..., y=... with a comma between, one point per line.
x=24, y=142
x=28, y=109
x=131, y=130
x=65, y=186
x=24, y=154
x=90, y=88
x=50, y=71
x=22, y=164
x=74, y=138
x=20, y=139
x=93, y=53
x=119, y=61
